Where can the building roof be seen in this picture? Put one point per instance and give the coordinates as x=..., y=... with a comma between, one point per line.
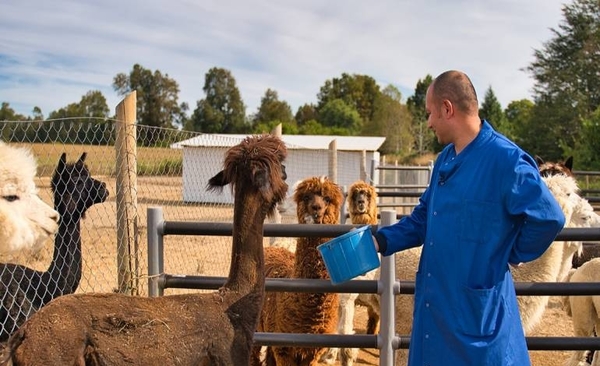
x=311, y=142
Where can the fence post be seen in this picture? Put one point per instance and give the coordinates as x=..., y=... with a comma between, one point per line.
x=333, y=161
x=155, y=250
x=386, y=339
x=277, y=131
x=127, y=218
x=363, y=166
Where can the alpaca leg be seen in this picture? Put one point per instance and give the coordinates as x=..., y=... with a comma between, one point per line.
x=345, y=325
x=583, y=325
x=371, y=302
x=373, y=322
x=258, y=355
x=596, y=359
x=577, y=359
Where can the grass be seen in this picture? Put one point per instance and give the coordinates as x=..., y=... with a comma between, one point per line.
x=101, y=160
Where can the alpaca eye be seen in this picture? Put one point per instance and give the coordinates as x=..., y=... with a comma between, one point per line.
x=327, y=200
x=11, y=198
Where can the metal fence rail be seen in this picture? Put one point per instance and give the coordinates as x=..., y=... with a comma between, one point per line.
x=387, y=286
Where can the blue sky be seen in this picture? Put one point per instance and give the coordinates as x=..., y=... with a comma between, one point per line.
x=54, y=52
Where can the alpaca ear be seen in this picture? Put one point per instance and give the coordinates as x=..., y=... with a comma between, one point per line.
x=82, y=157
x=569, y=163
x=62, y=162
x=538, y=160
x=217, y=182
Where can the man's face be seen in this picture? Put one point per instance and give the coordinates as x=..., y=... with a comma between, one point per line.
x=435, y=120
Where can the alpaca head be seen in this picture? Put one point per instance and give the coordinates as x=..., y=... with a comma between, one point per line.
x=74, y=188
x=256, y=164
x=548, y=168
x=25, y=220
x=318, y=201
x=565, y=190
x=362, y=203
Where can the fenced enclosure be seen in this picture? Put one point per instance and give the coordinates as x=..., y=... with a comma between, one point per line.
x=142, y=167
x=142, y=170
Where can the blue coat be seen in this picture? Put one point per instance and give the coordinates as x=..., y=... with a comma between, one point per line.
x=484, y=208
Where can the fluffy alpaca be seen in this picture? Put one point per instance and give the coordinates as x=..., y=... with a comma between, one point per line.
x=26, y=290
x=583, y=215
x=548, y=168
x=25, y=220
x=584, y=310
x=554, y=264
x=362, y=207
x=188, y=329
x=318, y=201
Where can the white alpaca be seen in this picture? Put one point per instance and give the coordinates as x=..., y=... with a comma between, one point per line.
x=584, y=310
x=25, y=220
x=555, y=263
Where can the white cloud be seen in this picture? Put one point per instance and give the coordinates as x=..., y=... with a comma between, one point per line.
x=52, y=53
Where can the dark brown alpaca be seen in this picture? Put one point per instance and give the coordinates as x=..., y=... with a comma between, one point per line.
x=318, y=201
x=188, y=329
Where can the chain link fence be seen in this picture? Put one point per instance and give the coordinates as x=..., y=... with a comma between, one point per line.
x=158, y=168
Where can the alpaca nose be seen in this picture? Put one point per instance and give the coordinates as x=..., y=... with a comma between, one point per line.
x=316, y=207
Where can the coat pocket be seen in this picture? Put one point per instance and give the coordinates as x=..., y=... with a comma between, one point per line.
x=481, y=311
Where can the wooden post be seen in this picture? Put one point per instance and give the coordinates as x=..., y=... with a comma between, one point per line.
x=127, y=211
x=333, y=161
x=363, y=166
x=277, y=215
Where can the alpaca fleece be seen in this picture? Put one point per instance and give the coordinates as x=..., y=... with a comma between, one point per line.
x=319, y=201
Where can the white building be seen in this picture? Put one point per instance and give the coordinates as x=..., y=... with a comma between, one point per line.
x=308, y=155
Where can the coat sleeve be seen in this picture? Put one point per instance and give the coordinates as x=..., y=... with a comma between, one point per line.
x=407, y=233
x=542, y=217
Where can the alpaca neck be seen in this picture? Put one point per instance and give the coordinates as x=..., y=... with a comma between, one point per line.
x=308, y=260
x=65, y=268
x=246, y=272
x=363, y=219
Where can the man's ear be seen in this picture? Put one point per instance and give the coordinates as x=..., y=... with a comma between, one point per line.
x=447, y=108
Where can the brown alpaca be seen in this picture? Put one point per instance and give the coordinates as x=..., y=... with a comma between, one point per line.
x=188, y=329
x=318, y=201
x=362, y=207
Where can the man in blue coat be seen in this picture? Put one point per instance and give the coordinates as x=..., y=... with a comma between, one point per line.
x=486, y=208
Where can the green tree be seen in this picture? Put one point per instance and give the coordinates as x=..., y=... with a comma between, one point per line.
x=80, y=122
x=358, y=91
x=392, y=120
x=585, y=151
x=306, y=113
x=340, y=118
x=9, y=114
x=272, y=111
x=518, y=118
x=222, y=111
x=11, y=131
x=566, y=76
x=313, y=127
x=157, y=97
x=425, y=141
x=491, y=110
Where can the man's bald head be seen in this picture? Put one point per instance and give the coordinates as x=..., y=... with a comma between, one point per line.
x=456, y=87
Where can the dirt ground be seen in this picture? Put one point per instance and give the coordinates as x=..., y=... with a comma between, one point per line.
x=555, y=323
x=202, y=255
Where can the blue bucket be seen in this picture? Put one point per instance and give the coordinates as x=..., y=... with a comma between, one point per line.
x=349, y=255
